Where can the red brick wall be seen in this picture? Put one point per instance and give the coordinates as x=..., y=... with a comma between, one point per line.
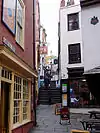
x=27, y=53
x=24, y=128
x=37, y=23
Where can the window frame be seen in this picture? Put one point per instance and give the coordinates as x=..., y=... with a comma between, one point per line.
x=20, y=41
x=78, y=54
x=68, y=21
x=21, y=100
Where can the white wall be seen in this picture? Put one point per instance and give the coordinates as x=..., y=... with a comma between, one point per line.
x=91, y=37
x=69, y=37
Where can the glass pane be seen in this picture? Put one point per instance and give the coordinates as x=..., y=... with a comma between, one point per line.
x=24, y=103
x=2, y=73
x=24, y=110
x=73, y=21
x=24, y=116
x=14, y=95
x=14, y=121
x=16, y=103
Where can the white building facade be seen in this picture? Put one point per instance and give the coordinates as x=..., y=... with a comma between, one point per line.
x=91, y=34
x=91, y=42
x=71, y=48
x=71, y=52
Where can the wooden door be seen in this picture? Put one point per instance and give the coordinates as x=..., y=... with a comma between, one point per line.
x=5, y=106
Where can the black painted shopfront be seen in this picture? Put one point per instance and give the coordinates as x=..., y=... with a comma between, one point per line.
x=80, y=95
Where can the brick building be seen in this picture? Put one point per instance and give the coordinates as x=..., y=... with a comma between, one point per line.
x=37, y=40
x=17, y=66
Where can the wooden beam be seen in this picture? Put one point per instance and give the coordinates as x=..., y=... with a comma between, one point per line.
x=6, y=80
x=0, y=83
x=11, y=108
x=0, y=102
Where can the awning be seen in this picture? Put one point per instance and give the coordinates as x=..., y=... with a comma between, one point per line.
x=95, y=70
x=11, y=60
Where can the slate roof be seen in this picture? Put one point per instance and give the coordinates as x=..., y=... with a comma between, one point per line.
x=85, y=3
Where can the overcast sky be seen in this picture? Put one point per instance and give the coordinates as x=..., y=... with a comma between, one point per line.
x=49, y=16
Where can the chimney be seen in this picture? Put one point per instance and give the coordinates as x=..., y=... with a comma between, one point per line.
x=62, y=4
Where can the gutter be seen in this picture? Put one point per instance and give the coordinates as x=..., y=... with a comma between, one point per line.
x=34, y=62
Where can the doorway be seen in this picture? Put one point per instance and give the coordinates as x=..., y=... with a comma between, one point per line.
x=5, y=87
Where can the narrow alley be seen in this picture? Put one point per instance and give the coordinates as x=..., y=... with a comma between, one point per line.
x=48, y=122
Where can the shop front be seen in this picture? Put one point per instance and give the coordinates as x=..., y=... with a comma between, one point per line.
x=16, y=104
x=93, y=81
x=80, y=95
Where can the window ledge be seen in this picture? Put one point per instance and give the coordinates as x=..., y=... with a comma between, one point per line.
x=74, y=30
x=20, y=124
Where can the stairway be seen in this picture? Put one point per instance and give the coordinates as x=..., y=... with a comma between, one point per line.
x=55, y=93
x=44, y=94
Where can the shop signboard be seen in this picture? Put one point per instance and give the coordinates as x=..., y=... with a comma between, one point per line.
x=43, y=50
x=64, y=87
x=79, y=131
x=57, y=109
x=8, y=15
x=8, y=44
x=64, y=113
x=64, y=100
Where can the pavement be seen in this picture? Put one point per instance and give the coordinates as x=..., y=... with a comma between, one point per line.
x=83, y=110
x=48, y=122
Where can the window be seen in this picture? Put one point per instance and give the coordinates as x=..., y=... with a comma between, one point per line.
x=73, y=22
x=25, y=100
x=17, y=99
x=20, y=20
x=21, y=100
x=5, y=73
x=74, y=53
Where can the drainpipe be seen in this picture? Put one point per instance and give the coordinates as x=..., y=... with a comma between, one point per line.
x=34, y=62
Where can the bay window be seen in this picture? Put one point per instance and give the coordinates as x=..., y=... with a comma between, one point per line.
x=21, y=111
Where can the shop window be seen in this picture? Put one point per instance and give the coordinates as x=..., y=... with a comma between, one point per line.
x=20, y=23
x=17, y=99
x=21, y=100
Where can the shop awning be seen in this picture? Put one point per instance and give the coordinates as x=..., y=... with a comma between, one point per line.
x=11, y=60
x=95, y=70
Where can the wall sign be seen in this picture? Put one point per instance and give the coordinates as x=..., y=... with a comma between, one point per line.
x=9, y=12
x=64, y=99
x=64, y=87
x=94, y=20
x=7, y=43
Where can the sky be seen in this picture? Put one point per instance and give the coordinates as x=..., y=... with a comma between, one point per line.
x=49, y=17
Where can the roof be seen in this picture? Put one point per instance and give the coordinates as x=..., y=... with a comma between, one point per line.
x=95, y=70
x=85, y=3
